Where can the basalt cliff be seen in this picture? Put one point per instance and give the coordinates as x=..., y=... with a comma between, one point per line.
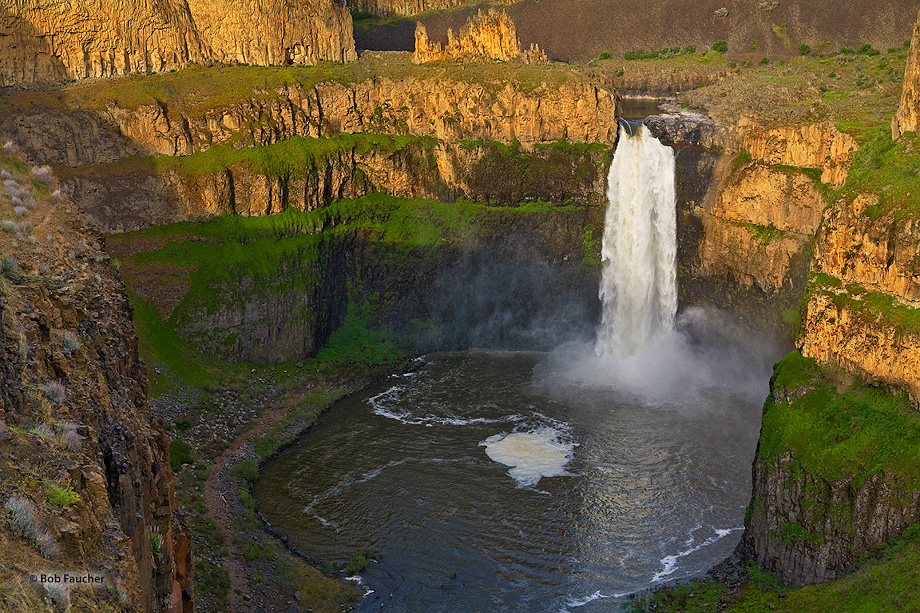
x=50, y=41
x=86, y=480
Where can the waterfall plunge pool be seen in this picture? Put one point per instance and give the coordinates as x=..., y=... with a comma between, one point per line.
x=489, y=481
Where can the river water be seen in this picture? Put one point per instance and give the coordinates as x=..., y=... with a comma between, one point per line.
x=491, y=481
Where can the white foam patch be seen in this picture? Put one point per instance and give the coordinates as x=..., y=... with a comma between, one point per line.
x=531, y=455
x=580, y=602
x=669, y=563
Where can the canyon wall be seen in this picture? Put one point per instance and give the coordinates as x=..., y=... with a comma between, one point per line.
x=577, y=111
x=133, y=194
x=907, y=119
x=74, y=416
x=52, y=40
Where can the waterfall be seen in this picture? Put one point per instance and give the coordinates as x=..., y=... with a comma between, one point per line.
x=639, y=283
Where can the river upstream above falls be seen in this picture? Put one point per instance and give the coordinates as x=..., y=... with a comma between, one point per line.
x=492, y=481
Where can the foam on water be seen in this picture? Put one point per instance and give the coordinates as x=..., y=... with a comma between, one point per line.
x=385, y=405
x=531, y=455
x=574, y=602
x=669, y=563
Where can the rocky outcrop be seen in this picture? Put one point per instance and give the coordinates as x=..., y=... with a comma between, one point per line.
x=577, y=111
x=820, y=146
x=830, y=481
x=845, y=330
x=807, y=529
x=282, y=317
x=127, y=196
x=759, y=229
x=878, y=251
x=860, y=311
x=486, y=36
x=51, y=40
x=907, y=119
x=269, y=32
x=679, y=127
x=74, y=415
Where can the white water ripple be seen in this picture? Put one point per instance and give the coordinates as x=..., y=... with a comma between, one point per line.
x=669, y=563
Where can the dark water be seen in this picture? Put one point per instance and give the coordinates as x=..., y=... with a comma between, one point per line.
x=607, y=495
x=639, y=108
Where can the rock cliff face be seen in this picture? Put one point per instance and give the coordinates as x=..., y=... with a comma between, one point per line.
x=486, y=36
x=758, y=231
x=830, y=479
x=907, y=119
x=448, y=110
x=267, y=32
x=53, y=40
x=820, y=146
x=74, y=415
x=120, y=197
x=859, y=314
x=403, y=8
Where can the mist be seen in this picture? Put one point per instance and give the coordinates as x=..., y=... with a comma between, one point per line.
x=705, y=351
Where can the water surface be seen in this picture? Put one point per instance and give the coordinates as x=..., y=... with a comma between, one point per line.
x=483, y=481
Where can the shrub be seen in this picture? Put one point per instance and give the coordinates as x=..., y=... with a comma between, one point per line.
x=722, y=12
x=720, y=45
x=55, y=391
x=254, y=551
x=43, y=431
x=764, y=60
x=846, y=51
x=42, y=173
x=25, y=227
x=8, y=264
x=768, y=6
x=867, y=49
x=20, y=211
x=71, y=342
x=61, y=494
x=10, y=226
x=59, y=594
x=246, y=471
x=72, y=440
x=804, y=49
x=5, y=175
x=179, y=454
x=357, y=562
x=604, y=55
x=58, y=196
x=156, y=541
x=22, y=517
x=47, y=546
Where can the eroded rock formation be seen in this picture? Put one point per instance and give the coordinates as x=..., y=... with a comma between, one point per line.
x=907, y=119
x=54, y=40
x=486, y=36
x=577, y=111
x=266, y=32
x=820, y=146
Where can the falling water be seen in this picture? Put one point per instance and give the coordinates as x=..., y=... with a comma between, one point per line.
x=639, y=282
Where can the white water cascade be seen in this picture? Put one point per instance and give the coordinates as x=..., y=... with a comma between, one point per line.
x=639, y=254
